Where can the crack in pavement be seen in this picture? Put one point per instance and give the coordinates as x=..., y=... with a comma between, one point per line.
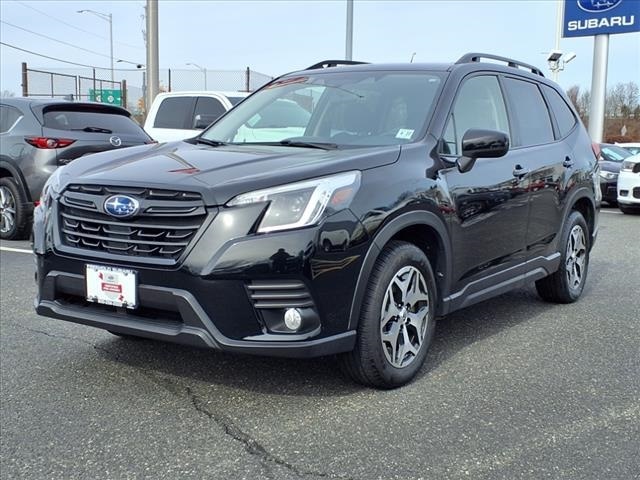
x=251, y=446
x=64, y=337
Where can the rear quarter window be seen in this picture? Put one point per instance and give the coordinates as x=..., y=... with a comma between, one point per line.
x=561, y=111
x=90, y=121
x=8, y=117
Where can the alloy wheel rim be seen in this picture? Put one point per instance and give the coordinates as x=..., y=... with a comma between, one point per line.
x=404, y=316
x=7, y=210
x=576, y=257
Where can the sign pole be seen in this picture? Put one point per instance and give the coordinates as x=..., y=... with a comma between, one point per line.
x=598, y=86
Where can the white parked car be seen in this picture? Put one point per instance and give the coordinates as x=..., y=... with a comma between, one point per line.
x=180, y=115
x=629, y=185
x=633, y=147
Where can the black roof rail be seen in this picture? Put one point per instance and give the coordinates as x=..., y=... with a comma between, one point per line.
x=332, y=63
x=476, y=57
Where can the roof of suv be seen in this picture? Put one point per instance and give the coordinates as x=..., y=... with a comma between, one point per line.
x=471, y=61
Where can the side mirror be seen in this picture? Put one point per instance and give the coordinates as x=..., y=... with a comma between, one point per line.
x=481, y=144
x=202, y=121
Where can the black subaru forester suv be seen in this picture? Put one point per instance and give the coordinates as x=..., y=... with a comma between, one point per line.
x=337, y=210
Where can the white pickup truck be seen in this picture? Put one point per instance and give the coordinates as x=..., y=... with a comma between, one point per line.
x=180, y=115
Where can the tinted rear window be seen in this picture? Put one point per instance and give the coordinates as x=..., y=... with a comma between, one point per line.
x=173, y=112
x=235, y=100
x=530, y=117
x=91, y=122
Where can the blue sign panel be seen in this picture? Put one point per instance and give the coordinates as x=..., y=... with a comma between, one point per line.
x=595, y=17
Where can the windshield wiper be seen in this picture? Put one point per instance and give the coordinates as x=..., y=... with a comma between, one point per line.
x=92, y=130
x=299, y=143
x=211, y=143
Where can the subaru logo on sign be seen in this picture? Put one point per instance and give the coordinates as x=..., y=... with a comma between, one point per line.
x=115, y=141
x=598, y=5
x=121, y=206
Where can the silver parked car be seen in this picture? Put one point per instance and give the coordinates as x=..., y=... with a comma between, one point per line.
x=37, y=136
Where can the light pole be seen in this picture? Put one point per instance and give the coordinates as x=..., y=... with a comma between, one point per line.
x=109, y=18
x=203, y=70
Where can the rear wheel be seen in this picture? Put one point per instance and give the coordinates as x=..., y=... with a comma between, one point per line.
x=14, y=217
x=567, y=283
x=397, y=319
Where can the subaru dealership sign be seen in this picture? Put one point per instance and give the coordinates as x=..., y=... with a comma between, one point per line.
x=595, y=17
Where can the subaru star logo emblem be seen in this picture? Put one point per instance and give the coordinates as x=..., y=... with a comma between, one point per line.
x=121, y=206
x=598, y=5
x=115, y=141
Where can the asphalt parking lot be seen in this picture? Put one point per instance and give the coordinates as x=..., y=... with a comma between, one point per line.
x=512, y=388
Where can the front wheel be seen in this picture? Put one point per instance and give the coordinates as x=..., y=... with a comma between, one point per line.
x=397, y=319
x=567, y=283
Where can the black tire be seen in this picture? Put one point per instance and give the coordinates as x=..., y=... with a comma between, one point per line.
x=563, y=285
x=629, y=210
x=15, y=223
x=369, y=362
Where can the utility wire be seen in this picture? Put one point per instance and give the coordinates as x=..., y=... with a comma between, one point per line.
x=55, y=39
x=51, y=17
x=67, y=61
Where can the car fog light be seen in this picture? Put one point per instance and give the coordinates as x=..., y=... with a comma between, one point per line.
x=292, y=319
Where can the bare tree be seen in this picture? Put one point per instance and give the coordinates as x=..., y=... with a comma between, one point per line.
x=574, y=93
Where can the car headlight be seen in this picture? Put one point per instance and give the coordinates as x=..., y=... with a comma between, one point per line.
x=627, y=166
x=51, y=187
x=302, y=204
x=608, y=175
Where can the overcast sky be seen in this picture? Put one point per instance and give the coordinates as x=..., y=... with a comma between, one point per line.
x=274, y=37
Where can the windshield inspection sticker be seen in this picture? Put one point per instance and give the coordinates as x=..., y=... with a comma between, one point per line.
x=404, y=133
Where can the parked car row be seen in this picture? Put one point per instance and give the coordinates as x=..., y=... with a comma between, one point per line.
x=612, y=160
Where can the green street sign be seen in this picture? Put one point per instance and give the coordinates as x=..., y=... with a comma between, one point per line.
x=113, y=97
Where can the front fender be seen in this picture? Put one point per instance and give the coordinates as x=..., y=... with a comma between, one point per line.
x=382, y=237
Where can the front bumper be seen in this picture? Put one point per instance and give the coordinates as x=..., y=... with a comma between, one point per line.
x=629, y=189
x=185, y=321
x=213, y=297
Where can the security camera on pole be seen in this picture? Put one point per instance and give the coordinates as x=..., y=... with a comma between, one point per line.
x=599, y=18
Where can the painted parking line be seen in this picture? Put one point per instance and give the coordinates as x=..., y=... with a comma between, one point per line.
x=615, y=212
x=16, y=250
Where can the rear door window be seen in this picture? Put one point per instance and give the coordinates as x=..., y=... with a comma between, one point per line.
x=175, y=112
x=90, y=121
x=530, y=117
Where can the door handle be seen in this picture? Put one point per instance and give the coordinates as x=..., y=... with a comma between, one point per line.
x=520, y=172
x=567, y=162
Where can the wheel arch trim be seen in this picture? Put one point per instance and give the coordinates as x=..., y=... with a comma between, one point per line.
x=6, y=164
x=386, y=233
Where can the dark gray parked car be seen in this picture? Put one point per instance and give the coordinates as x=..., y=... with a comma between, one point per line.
x=37, y=136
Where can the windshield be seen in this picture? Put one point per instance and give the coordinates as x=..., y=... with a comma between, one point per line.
x=613, y=153
x=342, y=109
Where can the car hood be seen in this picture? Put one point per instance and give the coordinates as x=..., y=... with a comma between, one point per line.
x=608, y=166
x=219, y=173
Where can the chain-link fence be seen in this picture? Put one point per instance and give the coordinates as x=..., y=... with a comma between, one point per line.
x=40, y=83
x=177, y=80
x=85, y=84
